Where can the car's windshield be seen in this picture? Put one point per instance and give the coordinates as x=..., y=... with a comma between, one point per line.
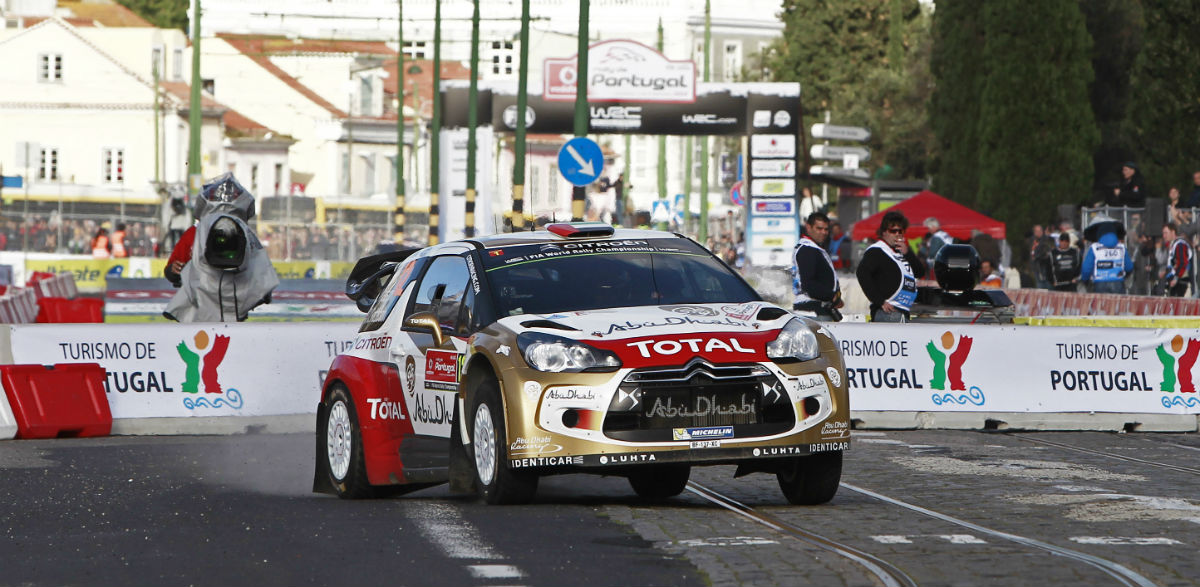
x=571, y=276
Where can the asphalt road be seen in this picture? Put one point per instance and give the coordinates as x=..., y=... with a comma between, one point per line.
x=939, y=507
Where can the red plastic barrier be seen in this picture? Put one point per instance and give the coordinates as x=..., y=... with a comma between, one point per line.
x=57, y=401
x=66, y=311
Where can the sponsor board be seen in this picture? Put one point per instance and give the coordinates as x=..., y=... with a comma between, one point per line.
x=441, y=370
x=768, y=207
x=772, y=187
x=773, y=168
x=622, y=70
x=772, y=145
x=781, y=240
x=773, y=225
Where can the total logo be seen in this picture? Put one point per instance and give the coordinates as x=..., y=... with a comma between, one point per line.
x=671, y=347
x=201, y=360
x=382, y=409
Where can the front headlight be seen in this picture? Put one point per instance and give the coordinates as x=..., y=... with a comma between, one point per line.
x=556, y=354
x=796, y=342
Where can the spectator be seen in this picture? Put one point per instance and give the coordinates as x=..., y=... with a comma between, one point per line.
x=118, y=241
x=889, y=270
x=938, y=238
x=1194, y=197
x=814, y=280
x=839, y=247
x=1040, y=246
x=1178, y=273
x=1146, y=271
x=101, y=249
x=1106, y=262
x=1131, y=191
x=1065, y=262
x=1173, y=205
x=986, y=245
x=989, y=275
x=810, y=202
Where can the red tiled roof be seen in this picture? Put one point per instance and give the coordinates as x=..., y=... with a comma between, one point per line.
x=259, y=49
x=102, y=13
x=424, y=80
x=183, y=92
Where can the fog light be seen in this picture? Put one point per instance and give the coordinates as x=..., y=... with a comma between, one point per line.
x=812, y=405
x=570, y=418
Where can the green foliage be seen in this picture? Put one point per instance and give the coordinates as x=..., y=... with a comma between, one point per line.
x=866, y=62
x=1117, y=28
x=959, y=74
x=1165, y=102
x=167, y=14
x=1036, y=129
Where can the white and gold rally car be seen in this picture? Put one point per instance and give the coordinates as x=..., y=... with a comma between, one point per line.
x=496, y=360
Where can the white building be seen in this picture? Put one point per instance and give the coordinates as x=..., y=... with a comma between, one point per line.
x=78, y=118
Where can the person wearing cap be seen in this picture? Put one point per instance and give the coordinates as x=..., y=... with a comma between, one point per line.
x=1106, y=261
x=1064, y=264
x=814, y=280
x=889, y=270
x=1131, y=192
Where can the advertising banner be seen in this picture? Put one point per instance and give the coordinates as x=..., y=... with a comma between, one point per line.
x=962, y=368
x=185, y=370
x=622, y=70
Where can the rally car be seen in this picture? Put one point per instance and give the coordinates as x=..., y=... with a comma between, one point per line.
x=492, y=361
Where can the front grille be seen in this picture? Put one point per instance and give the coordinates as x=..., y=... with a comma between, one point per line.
x=653, y=402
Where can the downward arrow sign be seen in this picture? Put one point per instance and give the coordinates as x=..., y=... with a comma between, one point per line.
x=585, y=167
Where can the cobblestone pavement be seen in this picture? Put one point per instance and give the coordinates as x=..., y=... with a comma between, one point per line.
x=1143, y=517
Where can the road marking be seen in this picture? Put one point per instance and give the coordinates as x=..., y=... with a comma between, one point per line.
x=1125, y=540
x=495, y=571
x=908, y=539
x=442, y=525
x=725, y=541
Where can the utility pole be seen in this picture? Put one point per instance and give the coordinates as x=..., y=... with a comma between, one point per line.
x=518, y=204
x=579, y=193
x=472, y=122
x=662, y=145
x=398, y=228
x=194, y=120
x=702, y=233
x=435, y=139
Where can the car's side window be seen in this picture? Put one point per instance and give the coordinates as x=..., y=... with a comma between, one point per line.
x=447, y=277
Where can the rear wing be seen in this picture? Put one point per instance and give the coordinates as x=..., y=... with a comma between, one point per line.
x=366, y=280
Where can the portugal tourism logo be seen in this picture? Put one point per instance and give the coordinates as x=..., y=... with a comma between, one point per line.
x=947, y=365
x=1177, y=363
x=201, y=360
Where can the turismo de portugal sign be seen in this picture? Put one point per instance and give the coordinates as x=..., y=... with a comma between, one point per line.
x=622, y=70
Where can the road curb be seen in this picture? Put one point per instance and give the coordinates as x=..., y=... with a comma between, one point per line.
x=1082, y=421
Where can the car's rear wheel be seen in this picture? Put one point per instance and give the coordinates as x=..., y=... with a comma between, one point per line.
x=660, y=482
x=343, y=447
x=496, y=482
x=812, y=479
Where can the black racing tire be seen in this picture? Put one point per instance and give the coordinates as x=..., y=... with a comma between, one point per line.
x=496, y=482
x=344, y=448
x=812, y=479
x=660, y=482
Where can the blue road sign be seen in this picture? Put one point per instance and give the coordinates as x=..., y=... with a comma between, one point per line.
x=11, y=181
x=580, y=161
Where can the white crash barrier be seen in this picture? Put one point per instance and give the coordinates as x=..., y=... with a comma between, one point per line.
x=962, y=368
x=194, y=370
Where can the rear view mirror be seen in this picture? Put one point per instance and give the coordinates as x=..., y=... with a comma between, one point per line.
x=425, y=322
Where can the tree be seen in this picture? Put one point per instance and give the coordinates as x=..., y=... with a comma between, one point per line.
x=1165, y=111
x=1037, y=133
x=167, y=14
x=958, y=74
x=856, y=59
x=1116, y=27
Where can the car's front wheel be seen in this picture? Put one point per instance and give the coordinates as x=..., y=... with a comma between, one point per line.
x=812, y=479
x=660, y=482
x=343, y=447
x=497, y=483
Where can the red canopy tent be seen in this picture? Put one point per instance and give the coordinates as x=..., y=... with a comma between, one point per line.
x=956, y=219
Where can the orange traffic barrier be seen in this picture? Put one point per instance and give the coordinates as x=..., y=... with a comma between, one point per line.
x=62, y=400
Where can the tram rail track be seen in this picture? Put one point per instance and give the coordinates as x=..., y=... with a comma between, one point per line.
x=887, y=573
x=1092, y=451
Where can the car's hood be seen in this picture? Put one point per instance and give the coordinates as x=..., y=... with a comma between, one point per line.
x=644, y=334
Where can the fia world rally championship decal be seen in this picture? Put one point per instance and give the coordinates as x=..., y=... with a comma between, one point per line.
x=201, y=360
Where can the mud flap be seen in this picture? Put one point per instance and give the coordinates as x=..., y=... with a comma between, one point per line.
x=462, y=467
x=321, y=482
